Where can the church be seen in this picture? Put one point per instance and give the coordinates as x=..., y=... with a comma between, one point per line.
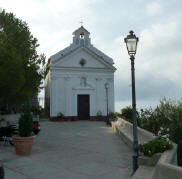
x=79, y=84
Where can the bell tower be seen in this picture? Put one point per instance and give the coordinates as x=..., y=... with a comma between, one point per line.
x=81, y=37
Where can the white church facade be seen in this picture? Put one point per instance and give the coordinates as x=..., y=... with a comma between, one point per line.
x=75, y=85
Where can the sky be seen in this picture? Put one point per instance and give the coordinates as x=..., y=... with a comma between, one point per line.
x=157, y=23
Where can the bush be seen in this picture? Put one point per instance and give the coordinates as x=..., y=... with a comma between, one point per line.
x=60, y=115
x=157, y=145
x=117, y=114
x=112, y=115
x=127, y=113
x=148, y=120
x=99, y=113
x=25, y=124
x=168, y=115
x=175, y=134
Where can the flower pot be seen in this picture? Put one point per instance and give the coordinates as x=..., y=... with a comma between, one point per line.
x=23, y=145
x=149, y=161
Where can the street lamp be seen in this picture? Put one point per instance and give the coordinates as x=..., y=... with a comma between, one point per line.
x=106, y=87
x=131, y=43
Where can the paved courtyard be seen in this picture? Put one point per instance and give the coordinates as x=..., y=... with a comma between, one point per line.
x=71, y=150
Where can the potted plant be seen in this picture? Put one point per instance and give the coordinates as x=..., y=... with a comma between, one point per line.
x=60, y=116
x=112, y=117
x=24, y=141
x=99, y=115
x=150, y=152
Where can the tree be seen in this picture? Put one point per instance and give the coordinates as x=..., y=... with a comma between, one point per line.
x=127, y=113
x=21, y=68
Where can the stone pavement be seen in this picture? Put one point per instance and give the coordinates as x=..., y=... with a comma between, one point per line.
x=71, y=150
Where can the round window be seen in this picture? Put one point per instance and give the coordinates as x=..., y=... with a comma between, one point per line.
x=82, y=62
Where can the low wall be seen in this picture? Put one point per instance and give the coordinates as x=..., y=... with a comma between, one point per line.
x=12, y=118
x=125, y=130
x=166, y=165
x=75, y=118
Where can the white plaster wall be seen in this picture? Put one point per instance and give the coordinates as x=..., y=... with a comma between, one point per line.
x=65, y=86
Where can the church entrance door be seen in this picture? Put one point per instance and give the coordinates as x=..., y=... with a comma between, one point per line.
x=83, y=107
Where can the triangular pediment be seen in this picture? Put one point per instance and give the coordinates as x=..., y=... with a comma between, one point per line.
x=82, y=58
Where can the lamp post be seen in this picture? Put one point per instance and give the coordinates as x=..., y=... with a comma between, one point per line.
x=131, y=43
x=106, y=87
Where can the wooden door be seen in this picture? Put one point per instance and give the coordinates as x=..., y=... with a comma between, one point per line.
x=83, y=107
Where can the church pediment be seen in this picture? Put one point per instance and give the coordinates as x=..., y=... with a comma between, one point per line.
x=82, y=58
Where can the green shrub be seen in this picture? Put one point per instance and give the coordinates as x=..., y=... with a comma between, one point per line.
x=25, y=124
x=60, y=115
x=99, y=113
x=148, y=120
x=175, y=134
x=157, y=145
x=112, y=116
x=117, y=114
x=127, y=113
x=168, y=114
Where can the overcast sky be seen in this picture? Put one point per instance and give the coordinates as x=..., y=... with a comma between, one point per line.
x=157, y=23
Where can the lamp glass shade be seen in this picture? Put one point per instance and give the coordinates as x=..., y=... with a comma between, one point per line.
x=131, y=43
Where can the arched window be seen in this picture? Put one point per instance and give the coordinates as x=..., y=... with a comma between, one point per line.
x=82, y=35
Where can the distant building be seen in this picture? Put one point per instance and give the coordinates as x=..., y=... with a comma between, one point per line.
x=75, y=82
